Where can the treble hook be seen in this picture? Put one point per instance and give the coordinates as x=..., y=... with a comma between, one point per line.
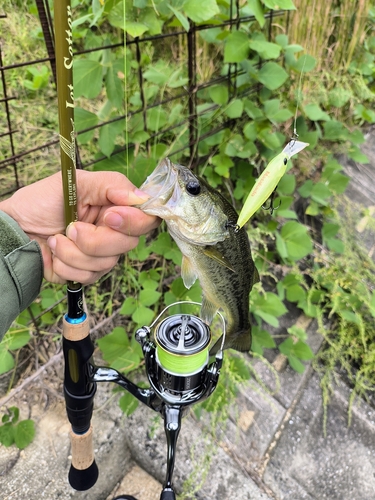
x=271, y=207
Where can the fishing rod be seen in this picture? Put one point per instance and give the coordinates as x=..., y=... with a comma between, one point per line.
x=176, y=349
x=79, y=389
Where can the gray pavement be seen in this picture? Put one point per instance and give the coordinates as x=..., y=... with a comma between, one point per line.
x=275, y=445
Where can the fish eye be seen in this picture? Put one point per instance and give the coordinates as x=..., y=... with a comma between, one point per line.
x=193, y=188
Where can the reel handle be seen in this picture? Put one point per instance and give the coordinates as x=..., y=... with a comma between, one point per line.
x=79, y=392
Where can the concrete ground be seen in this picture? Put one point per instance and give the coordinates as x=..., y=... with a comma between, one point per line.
x=279, y=446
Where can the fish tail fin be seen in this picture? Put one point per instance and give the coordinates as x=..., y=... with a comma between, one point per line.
x=241, y=342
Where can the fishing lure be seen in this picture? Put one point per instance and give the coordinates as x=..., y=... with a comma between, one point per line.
x=268, y=180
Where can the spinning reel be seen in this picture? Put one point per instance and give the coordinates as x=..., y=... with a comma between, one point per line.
x=180, y=374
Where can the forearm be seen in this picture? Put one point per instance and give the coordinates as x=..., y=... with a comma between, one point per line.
x=21, y=270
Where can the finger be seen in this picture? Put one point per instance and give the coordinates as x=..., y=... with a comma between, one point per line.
x=62, y=272
x=130, y=221
x=107, y=188
x=99, y=257
x=48, y=271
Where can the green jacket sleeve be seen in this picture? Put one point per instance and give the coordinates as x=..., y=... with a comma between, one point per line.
x=21, y=271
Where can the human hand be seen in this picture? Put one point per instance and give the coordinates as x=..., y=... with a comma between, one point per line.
x=108, y=225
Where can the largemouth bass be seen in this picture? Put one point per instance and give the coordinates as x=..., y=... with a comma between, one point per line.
x=203, y=224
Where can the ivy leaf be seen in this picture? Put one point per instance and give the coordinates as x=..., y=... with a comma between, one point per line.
x=121, y=353
x=261, y=339
x=234, y=109
x=296, y=241
x=88, y=78
x=304, y=63
x=142, y=168
x=114, y=344
x=356, y=154
x=236, y=47
x=6, y=359
x=320, y=193
x=128, y=403
x=297, y=349
x=314, y=112
x=335, y=131
x=140, y=137
x=85, y=119
x=295, y=293
x=143, y=315
x=130, y=25
x=149, y=297
x=335, y=245
x=257, y=10
x=113, y=87
x=199, y=11
x=150, y=19
x=158, y=74
x=164, y=245
x=269, y=307
x=306, y=188
x=266, y=50
x=338, y=182
x=329, y=230
x=297, y=332
x=350, y=316
x=272, y=75
x=183, y=20
x=279, y=4
x=156, y=118
x=274, y=113
x=15, y=339
x=107, y=137
x=219, y=94
x=7, y=434
x=129, y=306
x=296, y=364
x=24, y=433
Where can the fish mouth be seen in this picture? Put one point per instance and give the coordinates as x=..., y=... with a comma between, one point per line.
x=160, y=185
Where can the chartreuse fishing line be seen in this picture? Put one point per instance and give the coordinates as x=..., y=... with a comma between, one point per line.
x=181, y=353
x=182, y=348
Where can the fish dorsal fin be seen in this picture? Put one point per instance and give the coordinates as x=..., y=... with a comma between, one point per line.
x=214, y=254
x=208, y=310
x=188, y=272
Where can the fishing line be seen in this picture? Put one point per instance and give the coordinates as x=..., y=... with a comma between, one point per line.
x=126, y=95
x=299, y=87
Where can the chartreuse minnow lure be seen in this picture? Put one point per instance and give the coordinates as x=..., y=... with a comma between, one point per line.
x=268, y=180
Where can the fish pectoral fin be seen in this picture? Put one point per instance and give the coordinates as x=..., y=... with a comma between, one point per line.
x=214, y=254
x=208, y=311
x=188, y=272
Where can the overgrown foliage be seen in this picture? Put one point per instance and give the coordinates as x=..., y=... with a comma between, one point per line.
x=15, y=431
x=307, y=239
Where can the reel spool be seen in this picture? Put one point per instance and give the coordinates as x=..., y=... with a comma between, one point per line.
x=181, y=353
